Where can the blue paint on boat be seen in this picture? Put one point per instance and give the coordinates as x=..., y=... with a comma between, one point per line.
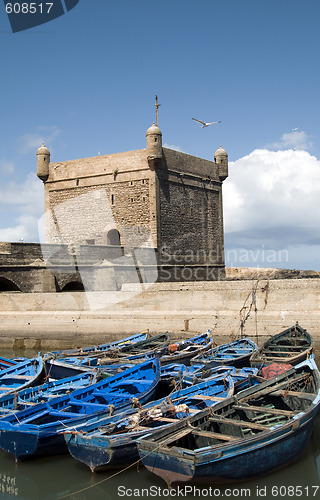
x=260, y=430
x=24, y=398
x=39, y=430
x=235, y=353
x=113, y=443
x=21, y=375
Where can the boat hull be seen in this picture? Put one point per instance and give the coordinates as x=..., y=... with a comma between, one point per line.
x=101, y=450
x=292, y=346
x=235, y=354
x=114, y=453
x=40, y=430
x=252, y=458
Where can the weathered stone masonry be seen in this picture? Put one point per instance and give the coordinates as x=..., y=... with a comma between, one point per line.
x=152, y=198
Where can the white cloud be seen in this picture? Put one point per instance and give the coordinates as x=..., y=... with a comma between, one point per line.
x=176, y=148
x=271, y=201
x=21, y=205
x=295, y=140
x=30, y=142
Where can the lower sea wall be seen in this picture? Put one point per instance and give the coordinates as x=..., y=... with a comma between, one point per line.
x=257, y=309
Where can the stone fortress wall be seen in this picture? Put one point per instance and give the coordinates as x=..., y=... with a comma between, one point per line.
x=44, y=321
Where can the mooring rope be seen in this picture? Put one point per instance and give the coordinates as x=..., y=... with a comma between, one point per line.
x=107, y=478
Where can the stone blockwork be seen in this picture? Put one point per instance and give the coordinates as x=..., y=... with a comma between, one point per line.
x=88, y=210
x=154, y=197
x=141, y=216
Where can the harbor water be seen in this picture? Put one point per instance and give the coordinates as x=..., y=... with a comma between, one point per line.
x=58, y=477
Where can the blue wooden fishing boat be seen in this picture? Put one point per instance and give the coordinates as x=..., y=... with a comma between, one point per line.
x=235, y=353
x=6, y=363
x=21, y=375
x=242, y=377
x=135, y=350
x=59, y=369
x=80, y=351
x=39, y=429
x=185, y=350
x=179, y=352
x=258, y=431
x=291, y=346
x=112, y=443
x=24, y=398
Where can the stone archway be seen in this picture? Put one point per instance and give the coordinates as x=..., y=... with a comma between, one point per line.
x=7, y=285
x=73, y=286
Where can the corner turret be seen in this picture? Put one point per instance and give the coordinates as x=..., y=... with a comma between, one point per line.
x=221, y=159
x=43, y=160
x=154, y=145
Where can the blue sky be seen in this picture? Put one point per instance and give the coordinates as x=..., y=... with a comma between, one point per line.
x=85, y=84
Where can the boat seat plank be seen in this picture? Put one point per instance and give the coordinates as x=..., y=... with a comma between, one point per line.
x=215, y=435
x=272, y=389
x=13, y=376
x=67, y=414
x=304, y=395
x=263, y=409
x=32, y=417
x=165, y=419
x=290, y=337
x=177, y=435
x=275, y=359
x=209, y=398
x=288, y=352
x=239, y=423
x=274, y=348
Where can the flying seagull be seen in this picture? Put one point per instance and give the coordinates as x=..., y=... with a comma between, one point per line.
x=295, y=129
x=205, y=124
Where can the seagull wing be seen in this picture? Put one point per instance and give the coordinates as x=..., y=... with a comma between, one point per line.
x=211, y=123
x=202, y=123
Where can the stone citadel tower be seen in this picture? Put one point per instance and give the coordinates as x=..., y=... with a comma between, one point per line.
x=149, y=198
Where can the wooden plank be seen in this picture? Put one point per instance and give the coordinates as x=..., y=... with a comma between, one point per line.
x=304, y=395
x=209, y=398
x=175, y=436
x=215, y=435
x=165, y=419
x=289, y=347
x=271, y=389
x=291, y=337
x=239, y=423
x=263, y=409
x=275, y=351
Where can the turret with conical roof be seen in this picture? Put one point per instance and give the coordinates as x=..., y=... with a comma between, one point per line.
x=221, y=158
x=43, y=160
x=154, y=145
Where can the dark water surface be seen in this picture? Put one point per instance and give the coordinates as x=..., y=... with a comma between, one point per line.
x=55, y=477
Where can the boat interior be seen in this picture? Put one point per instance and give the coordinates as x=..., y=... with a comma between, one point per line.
x=248, y=416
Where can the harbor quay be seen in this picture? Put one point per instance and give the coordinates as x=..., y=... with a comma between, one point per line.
x=229, y=309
